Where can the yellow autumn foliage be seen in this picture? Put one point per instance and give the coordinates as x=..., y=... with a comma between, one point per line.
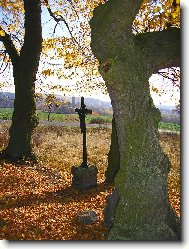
x=72, y=53
x=2, y=32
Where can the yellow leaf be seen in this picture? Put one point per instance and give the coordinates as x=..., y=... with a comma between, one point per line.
x=156, y=10
x=2, y=33
x=174, y=15
x=167, y=14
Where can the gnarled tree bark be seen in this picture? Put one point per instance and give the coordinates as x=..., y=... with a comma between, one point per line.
x=113, y=156
x=126, y=63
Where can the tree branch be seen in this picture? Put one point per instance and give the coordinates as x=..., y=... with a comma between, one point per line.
x=2, y=70
x=58, y=19
x=162, y=48
x=9, y=46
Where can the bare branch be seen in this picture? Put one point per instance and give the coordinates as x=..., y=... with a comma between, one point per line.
x=172, y=74
x=55, y=28
x=58, y=19
x=2, y=70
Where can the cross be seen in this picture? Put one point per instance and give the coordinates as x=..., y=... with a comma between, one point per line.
x=82, y=112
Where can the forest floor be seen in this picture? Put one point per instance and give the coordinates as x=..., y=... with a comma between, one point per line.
x=38, y=203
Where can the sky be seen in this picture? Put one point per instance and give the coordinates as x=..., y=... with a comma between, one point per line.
x=170, y=97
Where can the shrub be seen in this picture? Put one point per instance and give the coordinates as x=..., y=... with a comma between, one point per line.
x=99, y=120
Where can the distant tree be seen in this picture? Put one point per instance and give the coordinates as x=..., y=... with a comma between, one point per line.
x=66, y=107
x=51, y=103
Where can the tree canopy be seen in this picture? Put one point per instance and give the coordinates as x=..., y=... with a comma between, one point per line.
x=66, y=54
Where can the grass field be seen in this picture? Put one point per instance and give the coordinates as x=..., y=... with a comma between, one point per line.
x=38, y=202
x=169, y=126
x=6, y=114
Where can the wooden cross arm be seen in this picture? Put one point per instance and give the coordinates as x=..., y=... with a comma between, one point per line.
x=88, y=111
x=78, y=110
x=83, y=111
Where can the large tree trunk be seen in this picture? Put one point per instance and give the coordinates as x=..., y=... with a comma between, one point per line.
x=24, y=119
x=113, y=156
x=25, y=66
x=143, y=211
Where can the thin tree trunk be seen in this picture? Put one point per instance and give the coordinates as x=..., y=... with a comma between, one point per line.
x=49, y=113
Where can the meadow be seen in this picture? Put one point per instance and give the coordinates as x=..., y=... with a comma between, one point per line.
x=6, y=114
x=37, y=202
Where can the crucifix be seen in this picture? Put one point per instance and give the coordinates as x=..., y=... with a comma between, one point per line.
x=82, y=112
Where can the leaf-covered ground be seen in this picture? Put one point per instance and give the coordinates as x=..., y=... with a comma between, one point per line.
x=171, y=146
x=40, y=205
x=38, y=202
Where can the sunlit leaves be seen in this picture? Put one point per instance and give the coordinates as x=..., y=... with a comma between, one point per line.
x=12, y=17
x=67, y=55
x=73, y=53
x=39, y=202
x=155, y=89
x=2, y=32
x=11, y=22
x=157, y=15
x=171, y=146
x=50, y=98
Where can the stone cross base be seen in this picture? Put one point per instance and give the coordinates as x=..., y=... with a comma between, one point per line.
x=84, y=178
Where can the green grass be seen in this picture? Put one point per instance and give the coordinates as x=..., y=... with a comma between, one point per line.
x=169, y=126
x=6, y=114
x=91, y=119
x=58, y=117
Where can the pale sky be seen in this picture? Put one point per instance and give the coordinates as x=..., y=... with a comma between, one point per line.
x=170, y=97
x=61, y=30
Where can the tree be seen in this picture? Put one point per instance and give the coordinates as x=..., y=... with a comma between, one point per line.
x=63, y=57
x=113, y=156
x=71, y=54
x=25, y=65
x=19, y=51
x=50, y=102
x=127, y=60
